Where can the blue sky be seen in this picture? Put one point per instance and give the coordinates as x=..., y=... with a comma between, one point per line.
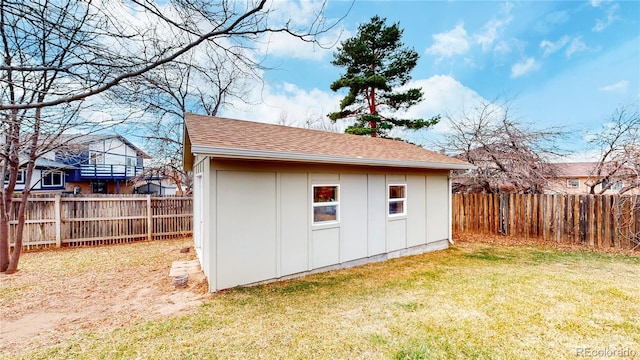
x=565, y=63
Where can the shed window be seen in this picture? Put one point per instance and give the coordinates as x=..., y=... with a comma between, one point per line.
x=573, y=183
x=397, y=199
x=326, y=204
x=53, y=179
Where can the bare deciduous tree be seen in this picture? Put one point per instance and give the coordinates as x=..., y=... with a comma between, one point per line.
x=312, y=120
x=509, y=155
x=618, y=143
x=57, y=56
x=202, y=81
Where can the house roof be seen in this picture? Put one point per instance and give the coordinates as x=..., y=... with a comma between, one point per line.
x=83, y=140
x=587, y=169
x=44, y=163
x=229, y=138
x=51, y=164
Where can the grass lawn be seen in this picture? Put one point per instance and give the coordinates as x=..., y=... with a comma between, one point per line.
x=472, y=301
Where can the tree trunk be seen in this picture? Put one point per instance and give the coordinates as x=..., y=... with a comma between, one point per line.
x=17, y=247
x=176, y=179
x=4, y=241
x=373, y=111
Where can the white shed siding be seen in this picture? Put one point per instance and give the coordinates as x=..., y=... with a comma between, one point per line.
x=209, y=217
x=197, y=215
x=437, y=203
x=376, y=218
x=246, y=206
x=294, y=223
x=200, y=210
x=325, y=239
x=353, y=218
x=325, y=249
x=260, y=220
x=396, y=234
x=416, y=210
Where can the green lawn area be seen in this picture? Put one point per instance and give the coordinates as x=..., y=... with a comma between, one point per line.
x=472, y=301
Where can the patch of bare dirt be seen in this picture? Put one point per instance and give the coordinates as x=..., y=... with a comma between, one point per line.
x=47, y=307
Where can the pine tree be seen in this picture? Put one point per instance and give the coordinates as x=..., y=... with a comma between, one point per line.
x=377, y=63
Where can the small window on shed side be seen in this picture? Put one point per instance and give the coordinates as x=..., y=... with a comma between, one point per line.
x=326, y=204
x=397, y=199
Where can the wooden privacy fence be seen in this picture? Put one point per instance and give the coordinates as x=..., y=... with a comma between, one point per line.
x=79, y=221
x=595, y=220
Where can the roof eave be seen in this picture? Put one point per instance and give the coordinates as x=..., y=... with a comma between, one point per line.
x=138, y=151
x=187, y=153
x=315, y=158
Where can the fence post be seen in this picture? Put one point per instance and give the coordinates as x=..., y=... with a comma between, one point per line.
x=149, y=218
x=57, y=209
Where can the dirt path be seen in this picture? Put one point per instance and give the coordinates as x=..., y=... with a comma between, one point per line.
x=43, y=307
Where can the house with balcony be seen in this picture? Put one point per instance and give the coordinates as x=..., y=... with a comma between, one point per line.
x=104, y=164
x=101, y=164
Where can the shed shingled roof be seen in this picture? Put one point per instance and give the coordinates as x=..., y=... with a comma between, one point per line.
x=218, y=136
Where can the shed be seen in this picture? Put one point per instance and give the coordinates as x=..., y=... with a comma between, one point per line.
x=274, y=202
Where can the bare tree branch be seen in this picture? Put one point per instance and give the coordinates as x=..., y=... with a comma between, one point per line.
x=509, y=155
x=618, y=142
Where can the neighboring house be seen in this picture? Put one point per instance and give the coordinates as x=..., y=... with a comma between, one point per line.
x=104, y=164
x=48, y=175
x=574, y=178
x=274, y=202
x=85, y=164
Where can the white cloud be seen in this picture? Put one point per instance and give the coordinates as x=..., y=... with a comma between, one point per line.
x=548, y=23
x=524, y=68
x=288, y=102
x=295, y=13
x=443, y=94
x=576, y=46
x=573, y=45
x=620, y=87
x=285, y=45
x=300, y=15
x=450, y=43
x=551, y=47
x=502, y=47
x=491, y=31
x=611, y=17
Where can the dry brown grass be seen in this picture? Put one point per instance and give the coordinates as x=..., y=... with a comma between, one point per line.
x=60, y=292
x=538, y=243
x=477, y=300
